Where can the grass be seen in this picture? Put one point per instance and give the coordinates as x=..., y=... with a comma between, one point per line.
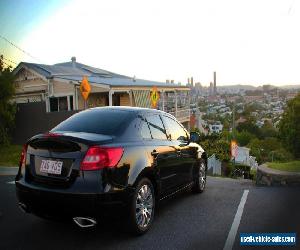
x=292, y=166
x=10, y=155
x=253, y=173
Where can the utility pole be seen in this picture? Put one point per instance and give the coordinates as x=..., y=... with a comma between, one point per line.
x=233, y=120
x=233, y=130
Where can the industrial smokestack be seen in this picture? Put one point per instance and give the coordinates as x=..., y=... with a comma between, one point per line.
x=192, y=81
x=215, y=83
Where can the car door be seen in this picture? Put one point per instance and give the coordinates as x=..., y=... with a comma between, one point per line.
x=162, y=151
x=185, y=154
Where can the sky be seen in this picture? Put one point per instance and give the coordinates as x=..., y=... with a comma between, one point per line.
x=245, y=41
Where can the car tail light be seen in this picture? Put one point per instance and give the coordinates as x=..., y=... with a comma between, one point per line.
x=101, y=157
x=23, y=156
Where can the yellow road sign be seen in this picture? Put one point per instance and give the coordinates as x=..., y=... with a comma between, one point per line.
x=85, y=88
x=154, y=97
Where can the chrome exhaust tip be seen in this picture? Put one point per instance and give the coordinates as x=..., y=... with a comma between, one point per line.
x=84, y=222
x=23, y=207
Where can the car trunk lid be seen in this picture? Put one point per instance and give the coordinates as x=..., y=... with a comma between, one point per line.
x=56, y=157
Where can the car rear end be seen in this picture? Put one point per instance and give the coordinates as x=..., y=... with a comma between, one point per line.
x=66, y=174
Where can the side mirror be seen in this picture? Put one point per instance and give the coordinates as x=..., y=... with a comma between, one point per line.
x=194, y=137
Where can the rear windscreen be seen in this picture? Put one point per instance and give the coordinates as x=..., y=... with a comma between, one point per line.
x=98, y=121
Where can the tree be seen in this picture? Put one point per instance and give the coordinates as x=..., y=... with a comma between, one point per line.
x=7, y=109
x=269, y=149
x=244, y=137
x=215, y=144
x=280, y=154
x=267, y=130
x=250, y=127
x=289, y=126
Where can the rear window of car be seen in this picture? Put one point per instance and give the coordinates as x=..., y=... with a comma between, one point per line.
x=97, y=121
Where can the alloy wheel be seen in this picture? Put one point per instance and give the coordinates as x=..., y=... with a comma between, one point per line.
x=202, y=176
x=144, y=206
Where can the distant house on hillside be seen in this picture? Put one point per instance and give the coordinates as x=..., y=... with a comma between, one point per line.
x=240, y=120
x=259, y=123
x=249, y=99
x=215, y=128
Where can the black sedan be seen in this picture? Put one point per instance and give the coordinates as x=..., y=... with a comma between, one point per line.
x=109, y=159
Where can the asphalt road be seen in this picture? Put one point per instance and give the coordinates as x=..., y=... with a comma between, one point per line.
x=186, y=221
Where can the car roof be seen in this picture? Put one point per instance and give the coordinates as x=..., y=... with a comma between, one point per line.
x=131, y=109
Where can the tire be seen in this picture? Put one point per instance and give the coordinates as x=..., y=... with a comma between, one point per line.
x=200, y=178
x=142, y=207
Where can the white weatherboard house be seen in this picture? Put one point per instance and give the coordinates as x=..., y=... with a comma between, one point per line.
x=58, y=87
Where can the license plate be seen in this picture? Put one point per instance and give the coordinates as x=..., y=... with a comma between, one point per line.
x=51, y=167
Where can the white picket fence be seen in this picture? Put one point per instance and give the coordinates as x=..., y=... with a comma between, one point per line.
x=214, y=164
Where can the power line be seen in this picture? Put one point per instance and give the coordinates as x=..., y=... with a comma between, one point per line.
x=11, y=43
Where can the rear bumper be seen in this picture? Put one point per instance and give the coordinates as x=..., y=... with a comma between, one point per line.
x=61, y=204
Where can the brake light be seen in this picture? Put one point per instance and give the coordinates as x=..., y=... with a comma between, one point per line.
x=101, y=157
x=23, y=156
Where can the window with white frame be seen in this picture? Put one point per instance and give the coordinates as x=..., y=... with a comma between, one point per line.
x=61, y=103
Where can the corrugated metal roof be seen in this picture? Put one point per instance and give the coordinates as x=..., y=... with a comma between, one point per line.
x=68, y=71
x=91, y=70
x=122, y=82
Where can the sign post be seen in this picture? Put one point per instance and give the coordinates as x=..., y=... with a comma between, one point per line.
x=85, y=89
x=154, y=97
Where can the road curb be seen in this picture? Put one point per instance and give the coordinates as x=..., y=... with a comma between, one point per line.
x=8, y=170
x=272, y=177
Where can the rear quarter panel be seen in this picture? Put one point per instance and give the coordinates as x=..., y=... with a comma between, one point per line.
x=135, y=159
